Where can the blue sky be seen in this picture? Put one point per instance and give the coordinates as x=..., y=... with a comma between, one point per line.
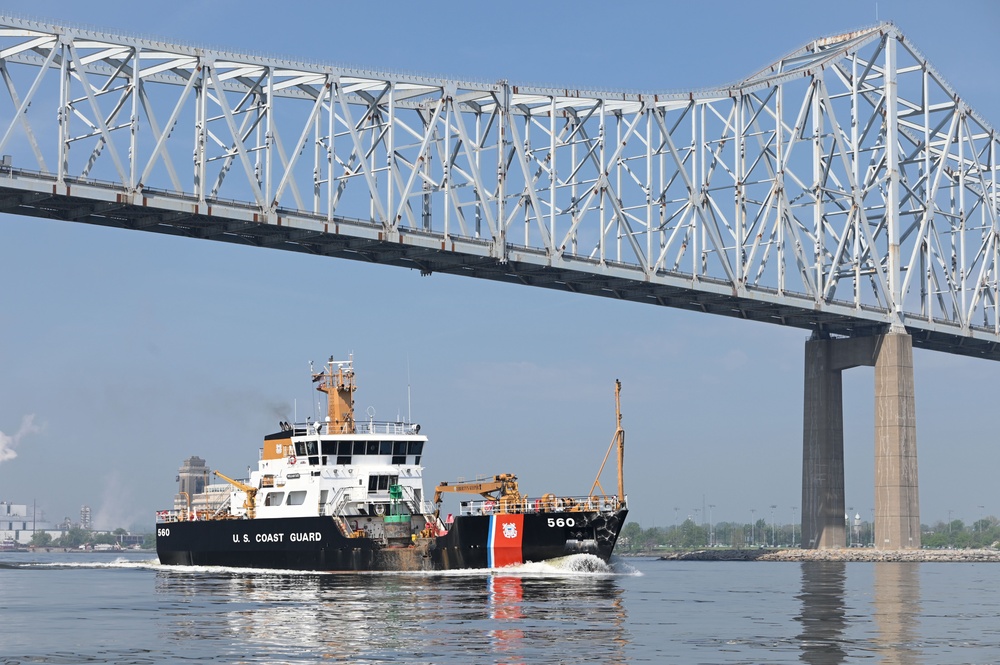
x=134, y=351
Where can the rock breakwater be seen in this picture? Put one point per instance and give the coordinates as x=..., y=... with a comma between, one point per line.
x=845, y=554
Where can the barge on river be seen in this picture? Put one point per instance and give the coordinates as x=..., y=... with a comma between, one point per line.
x=341, y=495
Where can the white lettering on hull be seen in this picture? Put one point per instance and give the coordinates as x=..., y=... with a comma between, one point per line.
x=306, y=537
x=313, y=537
x=270, y=537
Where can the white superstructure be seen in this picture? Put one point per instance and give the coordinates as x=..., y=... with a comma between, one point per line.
x=336, y=467
x=313, y=472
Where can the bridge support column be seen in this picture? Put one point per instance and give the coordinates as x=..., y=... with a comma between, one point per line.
x=897, y=501
x=822, y=448
x=897, y=515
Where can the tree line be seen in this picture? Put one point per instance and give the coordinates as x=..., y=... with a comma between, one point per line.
x=982, y=533
x=77, y=536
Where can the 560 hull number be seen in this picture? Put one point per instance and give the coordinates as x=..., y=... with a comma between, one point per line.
x=561, y=521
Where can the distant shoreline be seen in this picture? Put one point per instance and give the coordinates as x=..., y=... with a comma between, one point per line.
x=71, y=550
x=868, y=555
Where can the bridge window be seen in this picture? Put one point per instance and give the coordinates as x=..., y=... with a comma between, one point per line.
x=415, y=448
x=344, y=449
x=399, y=452
x=372, y=448
x=359, y=447
x=304, y=448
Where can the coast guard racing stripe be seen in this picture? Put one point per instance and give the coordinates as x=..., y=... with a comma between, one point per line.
x=505, y=540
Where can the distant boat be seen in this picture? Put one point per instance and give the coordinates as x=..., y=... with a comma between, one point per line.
x=342, y=495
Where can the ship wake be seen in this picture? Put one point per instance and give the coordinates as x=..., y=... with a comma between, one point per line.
x=574, y=564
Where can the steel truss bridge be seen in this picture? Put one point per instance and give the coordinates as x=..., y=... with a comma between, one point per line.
x=845, y=189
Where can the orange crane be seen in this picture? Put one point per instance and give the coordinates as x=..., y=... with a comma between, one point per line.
x=250, y=503
x=502, y=489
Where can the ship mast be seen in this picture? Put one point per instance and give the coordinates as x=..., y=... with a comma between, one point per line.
x=618, y=438
x=337, y=381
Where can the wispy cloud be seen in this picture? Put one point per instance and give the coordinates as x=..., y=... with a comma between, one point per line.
x=9, y=442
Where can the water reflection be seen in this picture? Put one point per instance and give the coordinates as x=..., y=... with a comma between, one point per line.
x=506, y=599
x=897, y=607
x=481, y=618
x=823, y=617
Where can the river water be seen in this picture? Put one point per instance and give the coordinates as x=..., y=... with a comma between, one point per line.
x=110, y=608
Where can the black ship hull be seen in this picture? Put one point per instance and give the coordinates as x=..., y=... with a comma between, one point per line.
x=317, y=543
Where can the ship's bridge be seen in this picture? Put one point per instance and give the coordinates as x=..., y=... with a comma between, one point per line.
x=372, y=442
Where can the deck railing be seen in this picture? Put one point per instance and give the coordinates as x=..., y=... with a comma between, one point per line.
x=545, y=504
x=360, y=427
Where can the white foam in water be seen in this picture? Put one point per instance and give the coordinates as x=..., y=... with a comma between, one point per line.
x=575, y=564
x=572, y=565
x=116, y=563
x=567, y=566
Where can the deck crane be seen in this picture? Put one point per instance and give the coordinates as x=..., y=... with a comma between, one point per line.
x=502, y=489
x=250, y=502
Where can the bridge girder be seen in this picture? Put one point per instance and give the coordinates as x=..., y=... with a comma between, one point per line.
x=419, y=251
x=844, y=189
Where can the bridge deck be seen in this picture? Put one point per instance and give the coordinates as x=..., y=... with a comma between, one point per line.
x=428, y=252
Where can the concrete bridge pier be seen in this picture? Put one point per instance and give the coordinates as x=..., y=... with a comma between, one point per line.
x=897, y=508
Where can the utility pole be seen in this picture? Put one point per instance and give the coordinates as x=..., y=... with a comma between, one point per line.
x=773, y=506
